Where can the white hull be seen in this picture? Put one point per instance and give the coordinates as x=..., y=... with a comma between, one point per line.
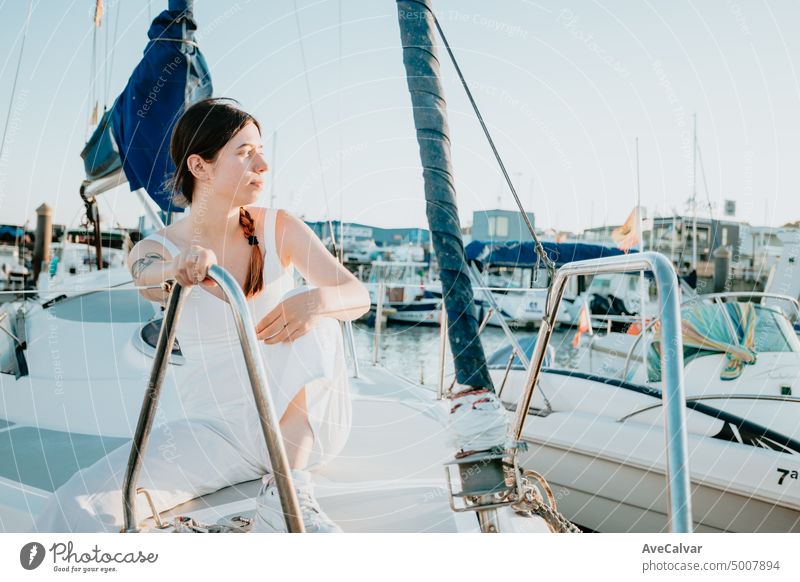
x=602, y=451
x=83, y=395
x=526, y=308
x=624, y=490
x=426, y=311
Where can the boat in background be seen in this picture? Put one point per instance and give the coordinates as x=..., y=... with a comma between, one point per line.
x=13, y=272
x=519, y=281
x=408, y=296
x=597, y=420
x=76, y=253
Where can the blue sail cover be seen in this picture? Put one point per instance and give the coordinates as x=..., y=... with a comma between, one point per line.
x=523, y=254
x=171, y=75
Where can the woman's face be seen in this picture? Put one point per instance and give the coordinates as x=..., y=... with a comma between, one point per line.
x=239, y=167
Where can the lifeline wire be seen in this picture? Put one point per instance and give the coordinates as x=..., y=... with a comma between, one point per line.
x=539, y=248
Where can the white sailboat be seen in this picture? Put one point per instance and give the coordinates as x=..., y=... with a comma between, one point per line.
x=75, y=360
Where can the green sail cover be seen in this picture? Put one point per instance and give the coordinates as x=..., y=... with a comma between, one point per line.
x=705, y=331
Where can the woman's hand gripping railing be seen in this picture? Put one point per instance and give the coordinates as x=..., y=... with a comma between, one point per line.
x=258, y=379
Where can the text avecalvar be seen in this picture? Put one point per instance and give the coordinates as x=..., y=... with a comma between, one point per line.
x=671, y=549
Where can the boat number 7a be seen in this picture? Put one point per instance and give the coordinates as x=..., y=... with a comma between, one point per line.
x=786, y=473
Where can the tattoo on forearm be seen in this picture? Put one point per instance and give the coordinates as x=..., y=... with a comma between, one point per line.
x=139, y=266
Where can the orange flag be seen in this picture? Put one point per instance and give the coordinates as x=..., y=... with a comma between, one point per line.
x=584, y=325
x=98, y=13
x=628, y=236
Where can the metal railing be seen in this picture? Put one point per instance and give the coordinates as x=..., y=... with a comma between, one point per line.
x=258, y=380
x=678, y=489
x=493, y=309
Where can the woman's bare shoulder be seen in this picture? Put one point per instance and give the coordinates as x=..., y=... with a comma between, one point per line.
x=153, y=246
x=287, y=228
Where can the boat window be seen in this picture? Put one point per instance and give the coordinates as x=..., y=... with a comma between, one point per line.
x=126, y=306
x=498, y=360
x=406, y=272
x=498, y=226
x=770, y=334
x=146, y=341
x=541, y=279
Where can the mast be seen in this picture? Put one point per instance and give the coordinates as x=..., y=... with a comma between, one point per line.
x=430, y=120
x=694, y=196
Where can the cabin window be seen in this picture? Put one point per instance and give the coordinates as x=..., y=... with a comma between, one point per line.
x=498, y=226
x=769, y=335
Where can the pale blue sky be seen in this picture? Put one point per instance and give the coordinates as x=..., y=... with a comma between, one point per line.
x=565, y=87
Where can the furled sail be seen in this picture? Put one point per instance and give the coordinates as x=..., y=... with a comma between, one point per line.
x=430, y=120
x=134, y=133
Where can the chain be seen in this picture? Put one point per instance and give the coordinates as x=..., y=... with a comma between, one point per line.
x=532, y=503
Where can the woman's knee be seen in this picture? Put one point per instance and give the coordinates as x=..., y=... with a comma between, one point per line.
x=83, y=504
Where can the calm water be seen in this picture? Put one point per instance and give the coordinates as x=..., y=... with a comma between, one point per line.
x=413, y=350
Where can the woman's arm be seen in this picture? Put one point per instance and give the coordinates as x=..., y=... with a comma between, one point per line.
x=337, y=292
x=149, y=266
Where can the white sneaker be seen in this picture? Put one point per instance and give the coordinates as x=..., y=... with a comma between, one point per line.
x=269, y=514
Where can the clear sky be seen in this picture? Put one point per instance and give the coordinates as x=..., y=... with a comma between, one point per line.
x=565, y=87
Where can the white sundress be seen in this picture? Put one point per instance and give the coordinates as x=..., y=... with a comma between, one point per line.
x=219, y=442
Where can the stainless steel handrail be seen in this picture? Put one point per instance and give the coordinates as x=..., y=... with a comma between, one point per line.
x=629, y=355
x=769, y=397
x=671, y=363
x=442, y=350
x=350, y=341
x=246, y=329
x=378, y=325
x=374, y=284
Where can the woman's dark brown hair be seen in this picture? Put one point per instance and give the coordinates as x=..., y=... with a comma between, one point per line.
x=204, y=129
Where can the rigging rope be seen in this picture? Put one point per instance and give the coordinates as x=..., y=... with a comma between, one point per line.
x=105, y=62
x=16, y=78
x=540, y=252
x=118, y=287
x=110, y=62
x=316, y=133
x=705, y=182
x=339, y=132
x=92, y=82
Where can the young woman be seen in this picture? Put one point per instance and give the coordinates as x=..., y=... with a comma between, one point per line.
x=220, y=171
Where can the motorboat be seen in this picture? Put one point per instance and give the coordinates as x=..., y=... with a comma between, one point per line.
x=518, y=280
x=404, y=292
x=596, y=420
x=12, y=272
x=76, y=253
